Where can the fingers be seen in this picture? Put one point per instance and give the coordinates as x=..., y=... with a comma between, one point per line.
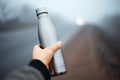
x=52, y=48
x=37, y=47
x=55, y=47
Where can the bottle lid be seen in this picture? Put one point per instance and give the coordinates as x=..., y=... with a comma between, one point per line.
x=41, y=10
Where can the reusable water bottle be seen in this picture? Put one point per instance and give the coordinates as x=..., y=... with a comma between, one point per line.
x=47, y=36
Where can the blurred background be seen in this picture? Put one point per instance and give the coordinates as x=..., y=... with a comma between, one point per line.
x=89, y=30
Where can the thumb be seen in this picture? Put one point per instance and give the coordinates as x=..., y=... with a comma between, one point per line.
x=55, y=47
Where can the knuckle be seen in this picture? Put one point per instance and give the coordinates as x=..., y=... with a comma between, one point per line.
x=51, y=50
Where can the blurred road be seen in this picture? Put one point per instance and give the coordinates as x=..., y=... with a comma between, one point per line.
x=81, y=57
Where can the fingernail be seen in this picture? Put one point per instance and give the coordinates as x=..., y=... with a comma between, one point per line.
x=60, y=43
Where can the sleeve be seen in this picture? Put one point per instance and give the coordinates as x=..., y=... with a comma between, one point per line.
x=36, y=70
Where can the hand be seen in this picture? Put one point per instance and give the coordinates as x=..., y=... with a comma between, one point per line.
x=45, y=55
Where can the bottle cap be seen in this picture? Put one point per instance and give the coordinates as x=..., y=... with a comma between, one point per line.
x=41, y=10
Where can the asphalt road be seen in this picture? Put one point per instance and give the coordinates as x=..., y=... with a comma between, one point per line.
x=81, y=57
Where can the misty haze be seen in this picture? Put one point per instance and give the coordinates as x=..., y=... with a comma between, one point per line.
x=91, y=45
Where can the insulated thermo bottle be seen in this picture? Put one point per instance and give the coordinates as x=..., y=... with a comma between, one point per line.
x=47, y=36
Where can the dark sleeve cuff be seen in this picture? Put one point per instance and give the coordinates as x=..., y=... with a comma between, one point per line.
x=41, y=67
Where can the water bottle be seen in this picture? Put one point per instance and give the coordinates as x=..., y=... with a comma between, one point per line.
x=47, y=36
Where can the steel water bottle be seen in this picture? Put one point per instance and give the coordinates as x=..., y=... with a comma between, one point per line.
x=48, y=36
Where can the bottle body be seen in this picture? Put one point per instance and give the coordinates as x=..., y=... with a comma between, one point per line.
x=47, y=37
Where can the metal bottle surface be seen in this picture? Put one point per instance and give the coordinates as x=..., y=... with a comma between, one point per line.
x=47, y=36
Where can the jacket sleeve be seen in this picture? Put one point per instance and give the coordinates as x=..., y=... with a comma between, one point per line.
x=36, y=70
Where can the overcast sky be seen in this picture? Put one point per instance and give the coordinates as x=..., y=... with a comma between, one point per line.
x=89, y=10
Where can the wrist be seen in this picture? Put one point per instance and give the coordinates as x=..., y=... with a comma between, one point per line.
x=37, y=64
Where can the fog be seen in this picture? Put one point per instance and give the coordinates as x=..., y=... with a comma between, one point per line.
x=18, y=25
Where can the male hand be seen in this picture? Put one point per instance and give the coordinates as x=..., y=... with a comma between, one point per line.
x=45, y=55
